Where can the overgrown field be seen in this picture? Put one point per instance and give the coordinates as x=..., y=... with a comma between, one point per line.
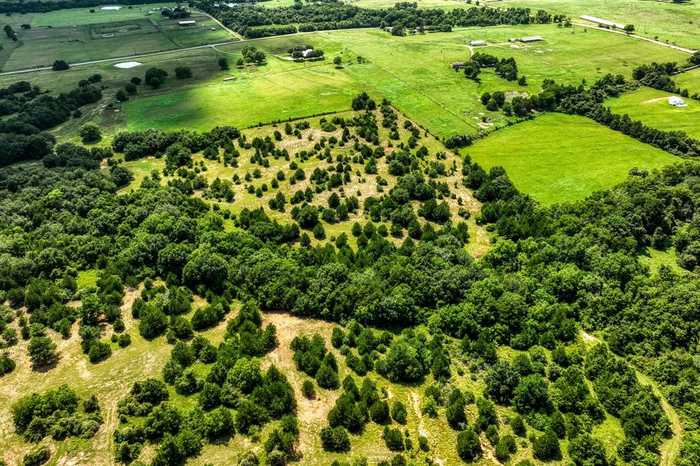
x=250, y=185
x=557, y=158
x=651, y=107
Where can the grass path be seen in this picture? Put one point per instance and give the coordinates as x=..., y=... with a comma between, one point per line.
x=670, y=448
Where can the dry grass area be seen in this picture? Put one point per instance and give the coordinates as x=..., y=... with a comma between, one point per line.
x=109, y=380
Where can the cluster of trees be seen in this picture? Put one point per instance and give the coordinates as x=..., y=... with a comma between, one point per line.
x=236, y=396
x=254, y=21
x=312, y=358
x=22, y=135
x=58, y=413
x=506, y=68
x=658, y=76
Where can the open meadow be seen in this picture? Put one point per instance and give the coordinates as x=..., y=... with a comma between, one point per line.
x=651, y=107
x=557, y=158
x=674, y=22
x=394, y=67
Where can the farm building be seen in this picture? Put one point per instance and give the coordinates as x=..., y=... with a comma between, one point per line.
x=677, y=102
x=477, y=43
x=528, y=39
x=457, y=65
x=188, y=22
x=603, y=22
x=307, y=53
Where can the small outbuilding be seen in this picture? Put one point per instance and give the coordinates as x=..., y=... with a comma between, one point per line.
x=603, y=22
x=677, y=102
x=187, y=22
x=528, y=39
x=458, y=65
x=477, y=43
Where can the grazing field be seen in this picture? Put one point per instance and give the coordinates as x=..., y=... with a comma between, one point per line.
x=557, y=158
x=651, y=107
x=83, y=16
x=80, y=37
x=394, y=67
x=689, y=80
x=665, y=20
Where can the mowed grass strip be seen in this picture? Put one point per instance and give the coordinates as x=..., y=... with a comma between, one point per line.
x=651, y=107
x=557, y=158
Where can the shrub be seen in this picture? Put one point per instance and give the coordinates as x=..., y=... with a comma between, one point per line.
x=468, y=445
x=335, y=439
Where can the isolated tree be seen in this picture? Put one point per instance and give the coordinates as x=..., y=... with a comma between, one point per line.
x=338, y=61
x=183, y=72
x=155, y=77
x=60, y=65
x=468, y=445
x=223, y=64
x=90, y=133
x=42, y=352
x=629, y=28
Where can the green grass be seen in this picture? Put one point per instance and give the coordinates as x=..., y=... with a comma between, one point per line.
x=557, y=158
x=676, y=23
x=87, y=278
x=82, y=16
x=655, y=258
x=426, y=90
x=651, y=107
x=77, y=38
x=689, y=80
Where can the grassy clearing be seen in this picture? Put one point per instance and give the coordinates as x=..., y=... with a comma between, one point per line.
x=651, y=107
x=676, y=23
x=77, y=35
x=654, y=259
x=689, y=80
x=557, y=158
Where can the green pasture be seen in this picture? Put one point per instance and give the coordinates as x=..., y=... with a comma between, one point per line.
x=85, y=40
x=667, y=21
x=556, y=158
x=398, y=68
x=689, y=80
x=651, y=107
x=82, y=16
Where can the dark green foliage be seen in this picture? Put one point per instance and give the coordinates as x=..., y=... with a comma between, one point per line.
x=55, y=413
x=335, y=439
x=393, y=439
x=584, y=450
x=398, y=412
x=546, y=447
x=468, y=445
x=37, y=456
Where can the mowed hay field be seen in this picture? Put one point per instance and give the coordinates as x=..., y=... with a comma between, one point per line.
x=76, y=35
x=397, y=68
x=651, y=107
x=556, y=157
x=665, y=20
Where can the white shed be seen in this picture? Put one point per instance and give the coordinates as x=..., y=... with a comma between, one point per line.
x=677, y=101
